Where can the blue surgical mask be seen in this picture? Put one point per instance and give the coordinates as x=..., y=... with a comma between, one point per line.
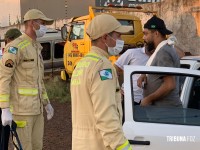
x=41, y=31
x=113, y=51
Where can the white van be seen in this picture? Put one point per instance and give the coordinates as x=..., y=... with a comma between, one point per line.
x=52, y=51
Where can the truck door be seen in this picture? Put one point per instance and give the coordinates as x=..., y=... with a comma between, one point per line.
x=162, y=128
x=189, y=64
x=75, y=45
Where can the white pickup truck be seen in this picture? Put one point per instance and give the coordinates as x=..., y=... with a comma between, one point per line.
x=156, y=128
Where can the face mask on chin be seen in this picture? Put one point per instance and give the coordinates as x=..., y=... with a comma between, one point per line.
x=41, y=31
x=113, y=51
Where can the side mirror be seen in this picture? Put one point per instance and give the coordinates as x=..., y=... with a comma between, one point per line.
x=64, y=32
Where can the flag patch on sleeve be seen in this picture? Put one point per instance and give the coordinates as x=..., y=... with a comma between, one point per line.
x=105, y=74
x=12, y=50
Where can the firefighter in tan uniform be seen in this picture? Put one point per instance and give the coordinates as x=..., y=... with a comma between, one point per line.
x=95, y=91
x=10, y=35
x=22, y=91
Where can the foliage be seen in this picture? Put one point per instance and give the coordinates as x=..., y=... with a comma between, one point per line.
x=58, y=89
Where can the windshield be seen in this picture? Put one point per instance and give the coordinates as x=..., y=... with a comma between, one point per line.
x=77, y=31
x=128, y=24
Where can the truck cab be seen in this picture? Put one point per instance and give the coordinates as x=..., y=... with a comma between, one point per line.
x=156, y=128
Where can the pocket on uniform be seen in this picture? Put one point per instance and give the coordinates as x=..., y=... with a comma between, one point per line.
x=28, y=100
x=29, y=70
x=28, y=64
x=23, y=128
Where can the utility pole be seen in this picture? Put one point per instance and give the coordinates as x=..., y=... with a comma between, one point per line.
x=9, y=20
x=66, y=8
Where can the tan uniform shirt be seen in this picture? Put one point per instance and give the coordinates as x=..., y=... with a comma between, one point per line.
x=21, y=85
x=96, y=104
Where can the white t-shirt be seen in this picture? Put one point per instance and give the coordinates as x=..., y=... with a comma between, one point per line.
x=1, y=53
x=135, y=56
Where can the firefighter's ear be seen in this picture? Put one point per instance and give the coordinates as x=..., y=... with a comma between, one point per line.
x=104, y=37
x=30, y=22
x=157, y=33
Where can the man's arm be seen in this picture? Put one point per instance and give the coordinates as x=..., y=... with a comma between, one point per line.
x=179, y=51
x=120, y=74
x=45, y=100
x=124, y=59
x=106, y=104
x=8, y=63
x=7, y=66
x=44, y=95
x=167, y=86
x=118, y=69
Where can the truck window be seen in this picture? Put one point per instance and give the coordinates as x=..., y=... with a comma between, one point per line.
x=129, y=24
x=182, y=78
x=46, y=51
x=186, y=66
x=194, y=101
x=171, y=114
x=59, y=47
x=77, y=32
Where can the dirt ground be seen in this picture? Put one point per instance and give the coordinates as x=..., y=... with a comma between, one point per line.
x=57, y=133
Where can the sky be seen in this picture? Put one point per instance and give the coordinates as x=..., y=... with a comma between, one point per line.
x=9, y=7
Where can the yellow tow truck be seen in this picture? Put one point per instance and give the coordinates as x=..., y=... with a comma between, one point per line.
x=78, y=43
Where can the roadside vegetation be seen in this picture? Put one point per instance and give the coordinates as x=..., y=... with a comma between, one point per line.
x=57, y=89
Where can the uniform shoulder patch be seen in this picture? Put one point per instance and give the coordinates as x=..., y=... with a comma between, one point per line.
x=105, y=74
x=12, y=50
x=9, y=63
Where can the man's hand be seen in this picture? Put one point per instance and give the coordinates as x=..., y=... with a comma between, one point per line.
x=50, y=111
x=6, y=117
x=122, y=89
x=145, y=102
x=142, y=80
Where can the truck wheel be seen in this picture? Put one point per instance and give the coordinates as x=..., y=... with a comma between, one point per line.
x=67, y=76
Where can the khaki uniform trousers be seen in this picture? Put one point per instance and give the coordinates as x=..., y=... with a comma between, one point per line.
x=31, y=136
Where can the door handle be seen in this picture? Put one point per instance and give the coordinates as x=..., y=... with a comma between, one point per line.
x=135, y=142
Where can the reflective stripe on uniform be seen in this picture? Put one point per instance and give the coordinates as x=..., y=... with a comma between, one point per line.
x=45, y=96
x=75, y=82
x=4, y=98
x=20, y=124
x=28, y=91
x=125, y=146
x=23, y=44
x=82, y=64
x=77, y=73
x=11, y=108
x=93, y=56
